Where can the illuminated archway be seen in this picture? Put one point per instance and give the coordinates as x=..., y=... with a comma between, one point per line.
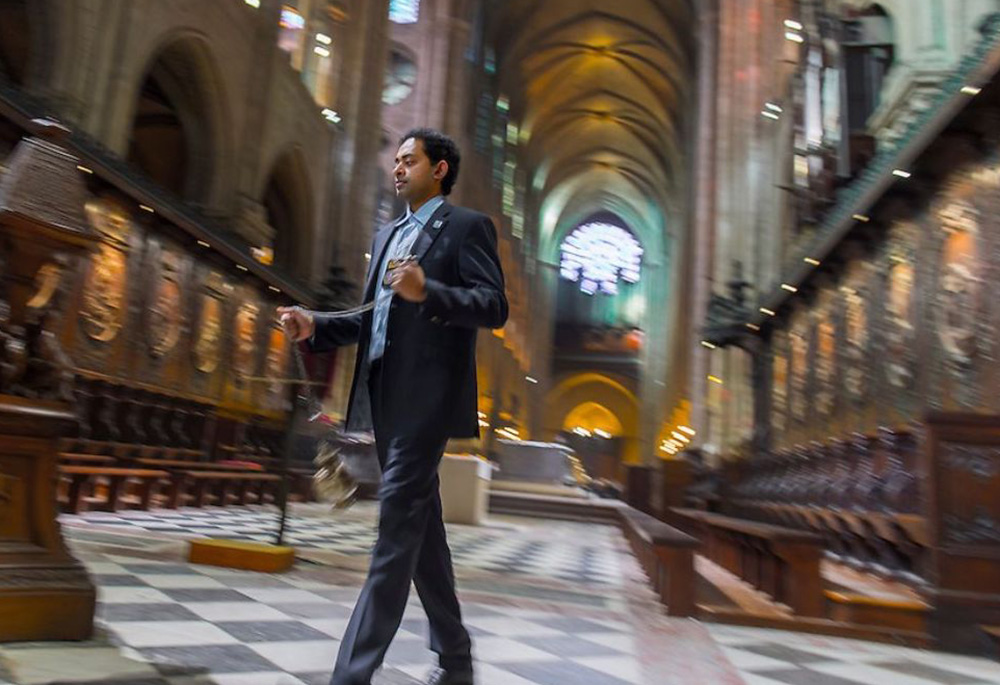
x=594, y=418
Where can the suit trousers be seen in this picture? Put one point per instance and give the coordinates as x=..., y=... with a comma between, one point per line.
x=411, y=546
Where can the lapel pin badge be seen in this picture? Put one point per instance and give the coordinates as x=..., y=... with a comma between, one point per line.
x=438, y=223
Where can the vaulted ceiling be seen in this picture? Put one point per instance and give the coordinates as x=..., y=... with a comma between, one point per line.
x=603, y=93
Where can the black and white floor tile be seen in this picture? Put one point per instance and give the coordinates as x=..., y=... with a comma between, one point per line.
x=547, y=603
x=769, y=657
x=198, y=624
x=353, y=533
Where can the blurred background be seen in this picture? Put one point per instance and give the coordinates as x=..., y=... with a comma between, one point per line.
x=753, y=237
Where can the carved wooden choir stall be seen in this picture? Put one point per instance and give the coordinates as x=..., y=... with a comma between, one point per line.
x=44, y=592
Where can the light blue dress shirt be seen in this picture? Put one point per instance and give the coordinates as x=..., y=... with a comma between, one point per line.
x=399, y=247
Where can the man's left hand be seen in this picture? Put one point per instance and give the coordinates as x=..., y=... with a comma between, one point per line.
x=409, y=281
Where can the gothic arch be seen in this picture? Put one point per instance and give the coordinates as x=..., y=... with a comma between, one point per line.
x=606, y=390
x=27, y=43
x=289, y=206
x=179, y=130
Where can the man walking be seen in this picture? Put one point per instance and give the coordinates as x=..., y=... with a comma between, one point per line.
x=434, y=279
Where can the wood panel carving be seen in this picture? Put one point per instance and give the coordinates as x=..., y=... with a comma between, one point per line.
x=245, y=343
x=779, y=384
x=856, y=337
x=105, y=289
x=797, y=398
x=44, y=592
x=962, y=460
x=246, y=350
x=13, y=508
x=900, y=315
x=208, y=345
x=826, y=356
x=277, y=366
x=165, y=311
x=960, y=287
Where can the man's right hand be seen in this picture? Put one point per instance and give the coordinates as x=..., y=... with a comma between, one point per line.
x=299, y=324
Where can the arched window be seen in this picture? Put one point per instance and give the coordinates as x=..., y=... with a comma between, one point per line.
x=404, y=11
x=598, y=255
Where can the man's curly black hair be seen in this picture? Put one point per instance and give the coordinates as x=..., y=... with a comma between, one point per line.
x=438, y=147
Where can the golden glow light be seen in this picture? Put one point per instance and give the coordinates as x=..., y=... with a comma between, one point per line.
x=790, y=288
x=765, y=310
x=810, y=260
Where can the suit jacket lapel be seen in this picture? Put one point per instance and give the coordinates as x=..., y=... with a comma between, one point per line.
x=432, y=229
x=382, y=240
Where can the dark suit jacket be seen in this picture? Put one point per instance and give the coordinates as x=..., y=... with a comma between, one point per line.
x=429, y=364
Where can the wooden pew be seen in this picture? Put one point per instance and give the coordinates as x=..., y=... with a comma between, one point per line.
x=200, y=483
x=186, y=465
x=667, y=555
x=782, y=562
x=77, y=458
x=81, y=476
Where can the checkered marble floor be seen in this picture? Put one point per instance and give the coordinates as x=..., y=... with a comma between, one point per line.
x=166, y=622
x=505, y=546
x=162, y=621
x=771, y=657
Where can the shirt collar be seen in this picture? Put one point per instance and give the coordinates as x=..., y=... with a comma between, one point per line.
x=426, y=211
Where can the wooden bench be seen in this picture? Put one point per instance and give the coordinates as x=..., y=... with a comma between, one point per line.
x=77, y=458
x=667, y=555
x=195, y=465
x=81, y=476
x=781, y=562
x=201, y=482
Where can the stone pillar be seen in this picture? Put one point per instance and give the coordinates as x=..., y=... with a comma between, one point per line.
x=45, y=594
x=703, y=223
x=356, y=167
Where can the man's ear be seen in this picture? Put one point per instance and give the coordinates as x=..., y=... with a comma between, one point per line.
x=441, y=170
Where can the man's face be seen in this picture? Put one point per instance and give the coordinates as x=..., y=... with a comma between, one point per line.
x=417, y=180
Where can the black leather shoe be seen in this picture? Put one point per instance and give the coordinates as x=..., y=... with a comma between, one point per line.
x=443, y=677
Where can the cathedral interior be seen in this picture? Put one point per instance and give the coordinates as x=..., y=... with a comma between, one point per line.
x=738, y=427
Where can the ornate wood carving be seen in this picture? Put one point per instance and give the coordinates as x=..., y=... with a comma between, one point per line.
x=46, y=594
x=105, y=290
x=165, y=311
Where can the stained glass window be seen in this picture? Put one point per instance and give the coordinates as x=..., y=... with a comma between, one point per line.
x=598, y=255
x=290, y=29
x=404, y=11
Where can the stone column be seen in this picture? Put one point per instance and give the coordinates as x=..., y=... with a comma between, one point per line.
x=703, y=222
x=356, y=164
x=251, y=220
x=45, y=594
